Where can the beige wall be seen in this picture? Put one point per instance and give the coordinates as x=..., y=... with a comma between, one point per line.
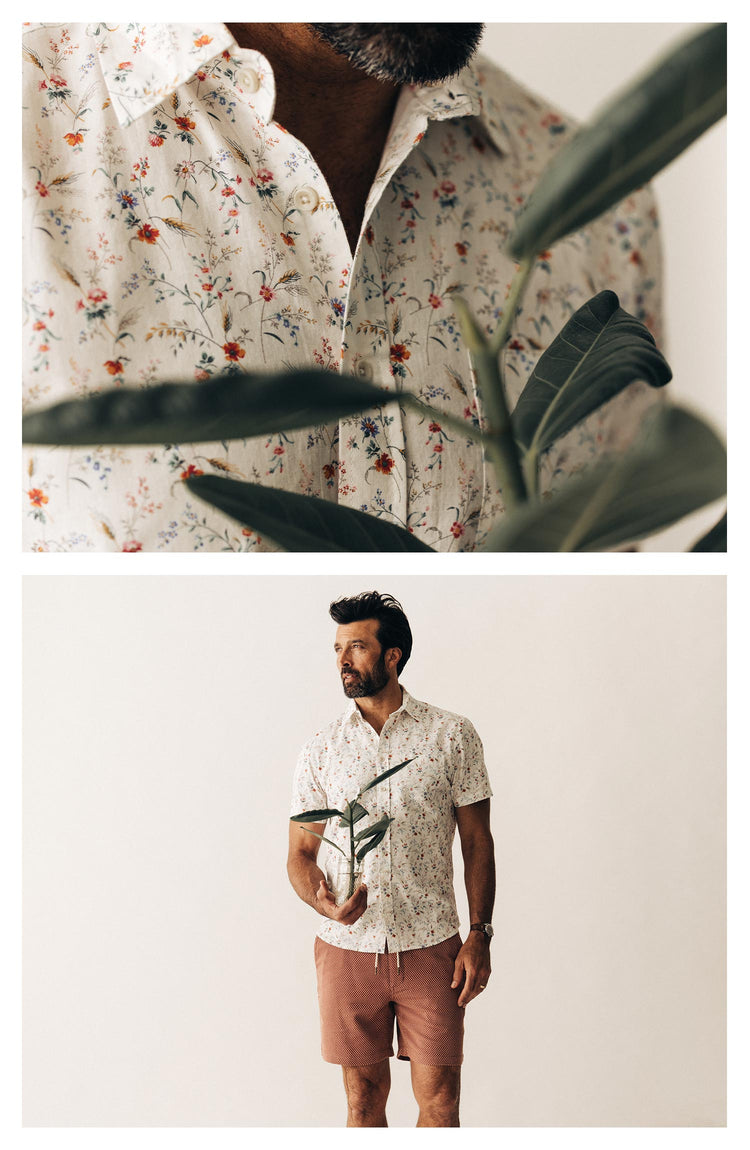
x=579, y=65
x=168, y=975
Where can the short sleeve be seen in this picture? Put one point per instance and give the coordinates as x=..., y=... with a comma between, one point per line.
x=470, y=782
x=307, y=792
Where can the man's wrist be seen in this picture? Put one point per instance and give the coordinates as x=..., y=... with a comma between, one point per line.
x=483, y=929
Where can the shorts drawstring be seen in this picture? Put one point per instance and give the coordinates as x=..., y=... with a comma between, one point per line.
x=398, y=961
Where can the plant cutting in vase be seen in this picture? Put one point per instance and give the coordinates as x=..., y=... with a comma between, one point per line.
x=361, y=842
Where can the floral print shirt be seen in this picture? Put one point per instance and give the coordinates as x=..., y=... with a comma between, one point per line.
x=173, y=230
x=409, y=876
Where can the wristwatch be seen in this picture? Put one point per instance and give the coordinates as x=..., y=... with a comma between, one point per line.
x=485, y=927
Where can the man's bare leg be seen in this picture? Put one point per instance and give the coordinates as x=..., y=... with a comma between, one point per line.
x=437, y=1090
x=367, y=1090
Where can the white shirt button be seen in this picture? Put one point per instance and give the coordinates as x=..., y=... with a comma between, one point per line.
x=306, y=199
x=248, y=79
x=364, y=369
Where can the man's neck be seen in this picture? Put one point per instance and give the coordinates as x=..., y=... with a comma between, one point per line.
x=341, y=114
x=376, y=708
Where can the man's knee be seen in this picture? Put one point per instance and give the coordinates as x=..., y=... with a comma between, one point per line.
x=438, y=1098
x=366, y=1091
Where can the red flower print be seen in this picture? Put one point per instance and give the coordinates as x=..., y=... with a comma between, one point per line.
x=40, y=325
x=462, y=249
x=41, y=188
x=201, y=75
x=57, y=81
x=264, y=176
x=155, y=141
x=184, y=123
x=369, y=234
x=228, y=192
x=544, y=255
x=515, y=345
x=399, y=352
x=97, y=296
x=201, y=374
x=124, y=66
x=44, y=347
x=37, y=497
x=73, y=138
x=278, y=450
x=202, y=40
x=266, y=292
x=435, y=300
x=457, y=529
x=329, y=470
x=407, y=204
x=288, y=240
x=384, y=464
x=447, y=187
x=635, y=258
x=191, y=469
x=435, y=427
x=438, y=447
x=233, y=212
x=207, y=287
x=147, y=234
x=131, y=545
x=113, y=366
x=233, y=351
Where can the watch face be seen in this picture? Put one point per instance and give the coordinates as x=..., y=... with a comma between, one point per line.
x=488, y=930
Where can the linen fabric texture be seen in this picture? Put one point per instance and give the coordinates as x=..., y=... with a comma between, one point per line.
x=173, y=230
x=360, y=1000
x=411, y=902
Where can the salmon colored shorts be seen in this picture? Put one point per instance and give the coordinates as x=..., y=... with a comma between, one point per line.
x=359, y=1002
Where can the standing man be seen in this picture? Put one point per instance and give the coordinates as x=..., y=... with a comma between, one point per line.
x=204, y=198
x=392, y=950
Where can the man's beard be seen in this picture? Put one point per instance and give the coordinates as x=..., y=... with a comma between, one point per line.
x=366, y=683
x=404, y=53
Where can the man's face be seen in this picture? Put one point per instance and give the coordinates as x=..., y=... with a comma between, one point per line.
x=404, y=53
x=360, y=659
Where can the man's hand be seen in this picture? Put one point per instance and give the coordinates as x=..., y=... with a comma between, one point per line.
x=472, y=967
x=349, y=911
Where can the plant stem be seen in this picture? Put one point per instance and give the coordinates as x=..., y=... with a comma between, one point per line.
x=351, y=852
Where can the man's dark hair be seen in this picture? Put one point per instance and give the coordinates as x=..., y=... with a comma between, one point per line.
x=393, y=626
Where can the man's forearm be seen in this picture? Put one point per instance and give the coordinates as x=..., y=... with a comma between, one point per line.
x=479, y=877
x=306, y=876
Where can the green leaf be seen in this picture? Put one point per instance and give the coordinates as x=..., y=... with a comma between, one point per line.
x=225, y=407
x=715, y=539
x=385, y=775
x=599, y=352
x=677, y=466
x=637, y=133
x=354, y=811
x=375, y=828
x=315, y=816
x=302, y=522
x=371, y=844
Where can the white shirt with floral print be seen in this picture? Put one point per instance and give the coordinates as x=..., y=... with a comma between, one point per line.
x=410, y=897
x=173, y=230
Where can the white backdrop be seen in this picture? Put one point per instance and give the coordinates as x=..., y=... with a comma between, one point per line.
x=168, y=975
x=580, y=65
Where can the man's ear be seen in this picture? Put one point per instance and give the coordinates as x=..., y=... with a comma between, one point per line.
x=392, y=657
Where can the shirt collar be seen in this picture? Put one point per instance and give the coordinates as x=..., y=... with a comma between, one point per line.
x=409, y=706
x=141, y=70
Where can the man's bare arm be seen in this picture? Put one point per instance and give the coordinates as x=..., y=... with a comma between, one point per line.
x=473, y=960
x=309, y=881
